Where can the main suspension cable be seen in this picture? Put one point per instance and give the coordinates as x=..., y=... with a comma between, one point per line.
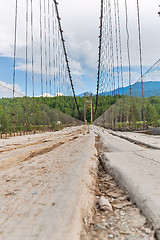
x=65, y=53
x=100, y=54
x=14, y=65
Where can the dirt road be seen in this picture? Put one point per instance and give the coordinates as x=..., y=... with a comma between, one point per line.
x=51, y=187
x=41, y=176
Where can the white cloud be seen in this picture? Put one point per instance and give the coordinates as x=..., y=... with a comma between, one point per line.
x=80, y=22
x=6, y=90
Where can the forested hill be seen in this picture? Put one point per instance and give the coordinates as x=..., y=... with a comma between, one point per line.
x=52, y=109
x=61, y=109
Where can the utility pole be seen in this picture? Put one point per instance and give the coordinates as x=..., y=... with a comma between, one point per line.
x=85, y=108
x=91, y=109
x=88, y=102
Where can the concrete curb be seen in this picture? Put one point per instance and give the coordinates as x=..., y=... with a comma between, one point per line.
x=79, y=198
x=128, y=183
x=136, y=141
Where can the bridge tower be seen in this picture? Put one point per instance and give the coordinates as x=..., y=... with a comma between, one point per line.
x=88, y=102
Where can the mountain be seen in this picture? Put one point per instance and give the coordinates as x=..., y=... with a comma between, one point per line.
x=117, y=91
x=82, y=94
x=150, y=88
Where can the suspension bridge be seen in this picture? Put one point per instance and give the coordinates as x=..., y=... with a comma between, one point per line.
x=78, y=166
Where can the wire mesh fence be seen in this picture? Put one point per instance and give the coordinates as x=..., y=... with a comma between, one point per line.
x=129, y=113
x=39, y=119
x=36, y=80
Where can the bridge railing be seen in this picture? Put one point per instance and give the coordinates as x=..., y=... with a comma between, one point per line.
x=136, y=111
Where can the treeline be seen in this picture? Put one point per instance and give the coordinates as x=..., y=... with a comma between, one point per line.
x=132, y=113
x=26, y=113
x=67, y=105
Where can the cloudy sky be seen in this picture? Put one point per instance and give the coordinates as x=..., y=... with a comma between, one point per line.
x=80, y=23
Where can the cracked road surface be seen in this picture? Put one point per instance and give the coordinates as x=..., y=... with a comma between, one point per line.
x=48, y=184
x=41, y=177
x=136, y=169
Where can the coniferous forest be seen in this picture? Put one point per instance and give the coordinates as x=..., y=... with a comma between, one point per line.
x=29, y=112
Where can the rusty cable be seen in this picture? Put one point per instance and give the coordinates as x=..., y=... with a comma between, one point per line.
x=65, y=53
x=100, y=54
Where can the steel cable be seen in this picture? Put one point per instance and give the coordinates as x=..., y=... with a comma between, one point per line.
x=14, y=65
x=45, y=49
x=33, y=83
x=141, y=64
x=120, y=46
x=129, y=60
x=66, y=56
x=54, y=49
x=49, y=50
x=26, y=80
x=112, y=48
x=100, y=54
x=116, y=37
x=41, y=59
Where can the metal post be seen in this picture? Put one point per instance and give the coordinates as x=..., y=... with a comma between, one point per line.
x=91, y=109
x=85, y=108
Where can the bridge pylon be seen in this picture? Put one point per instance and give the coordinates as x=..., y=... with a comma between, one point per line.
x=88, y=102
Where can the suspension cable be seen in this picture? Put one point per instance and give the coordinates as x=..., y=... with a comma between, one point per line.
x=41, y=56
x=45, y=48
x=109, y=50
x=141, y=64
x=129, y=60
x=100, y=54
x=32, y=43
x=120, y=46
x=14, y=65
x=128, y=46
x=11, y=89
x=26, y=82
x=112, y=48
x=49, y=50
x=116, y=36
x=54, y=48
x=65, y=53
